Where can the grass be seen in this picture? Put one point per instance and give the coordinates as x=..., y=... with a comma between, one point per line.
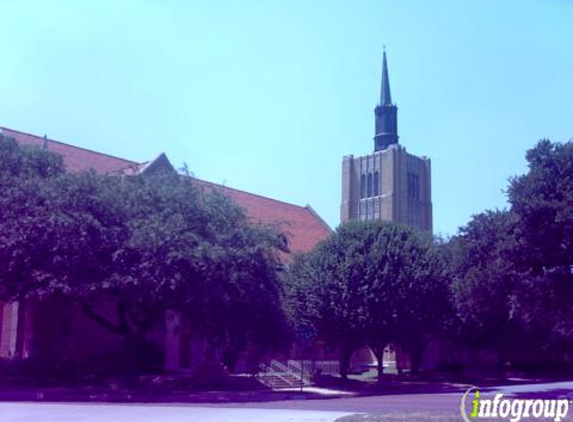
x=420, y=417
x=400, y=417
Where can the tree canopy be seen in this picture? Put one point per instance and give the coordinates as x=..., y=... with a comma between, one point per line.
x=371, y=283
x=543, y=200
x=151, y=244
x=485, y=284
x=512, y=270
x=146, y=243
x=508, y=283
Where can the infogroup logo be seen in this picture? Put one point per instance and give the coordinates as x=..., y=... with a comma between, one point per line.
x=511, y=409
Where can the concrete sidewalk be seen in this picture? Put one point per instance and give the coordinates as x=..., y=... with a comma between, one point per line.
x=106, y=395
x=61, y=412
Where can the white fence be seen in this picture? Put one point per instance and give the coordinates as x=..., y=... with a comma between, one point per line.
x=314, y=367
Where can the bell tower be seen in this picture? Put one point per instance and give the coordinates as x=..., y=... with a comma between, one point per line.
x=389, y=184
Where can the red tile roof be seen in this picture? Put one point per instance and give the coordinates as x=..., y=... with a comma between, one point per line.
x=75, y=158
x=302, y=225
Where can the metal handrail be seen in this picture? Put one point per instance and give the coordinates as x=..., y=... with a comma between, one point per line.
x=331, y=367
x=279, y=370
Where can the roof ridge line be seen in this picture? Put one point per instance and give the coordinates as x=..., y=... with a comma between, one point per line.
x=70, y=145
x=251, y=193
x=318, y=217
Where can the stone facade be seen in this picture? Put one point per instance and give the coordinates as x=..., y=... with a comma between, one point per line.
x=391, y=185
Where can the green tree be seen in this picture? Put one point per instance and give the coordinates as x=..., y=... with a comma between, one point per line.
x=486, y=285
x=543, y=200
x=145, y=244
x=322, y=302
x=25, y=174
x=372, y=283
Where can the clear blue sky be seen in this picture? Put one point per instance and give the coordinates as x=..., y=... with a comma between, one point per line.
x=267, y=96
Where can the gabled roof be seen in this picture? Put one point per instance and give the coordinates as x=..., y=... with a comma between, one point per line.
x=302, y=226
x=75, y=158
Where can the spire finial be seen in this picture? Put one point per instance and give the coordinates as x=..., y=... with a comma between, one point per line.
x=385, y=96
x=386, y=123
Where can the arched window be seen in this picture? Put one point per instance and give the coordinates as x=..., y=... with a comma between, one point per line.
x=376, y=183
x=362, y=186
x=369, y=188
x=413, y=186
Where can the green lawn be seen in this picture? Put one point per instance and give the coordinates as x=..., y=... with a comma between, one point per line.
x=421, y=417
x=410, y=417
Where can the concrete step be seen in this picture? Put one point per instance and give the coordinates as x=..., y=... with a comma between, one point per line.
x=282, y=381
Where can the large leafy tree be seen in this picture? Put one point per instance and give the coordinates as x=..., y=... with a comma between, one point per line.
x=144, y=244
x=486, y=285
x=513, y=281
x=322, y=297
x=25, y=177
x=372, y=283
x=543, y=200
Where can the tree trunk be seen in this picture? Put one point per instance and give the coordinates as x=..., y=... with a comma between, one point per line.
x=379, y=353
x=145, y=356
x=415, y=360
x=20, y=329
x=501, y=365
x=345, y=361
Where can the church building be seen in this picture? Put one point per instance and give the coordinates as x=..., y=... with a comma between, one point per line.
x=389, y=184
x=57, y=330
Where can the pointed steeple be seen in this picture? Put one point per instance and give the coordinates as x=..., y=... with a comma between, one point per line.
x=386, y=119
x=385, y=96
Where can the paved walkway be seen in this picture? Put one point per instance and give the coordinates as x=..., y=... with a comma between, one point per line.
x=408, y=403
x=537, y=389
x=403, y=403
x=48, y=412
x=325, y=410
